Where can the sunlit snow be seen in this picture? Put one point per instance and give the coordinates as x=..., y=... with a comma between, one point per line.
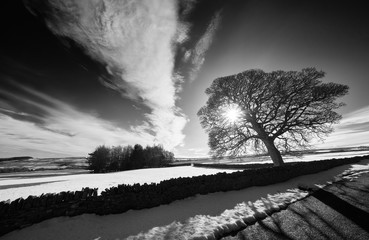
x=15, y=187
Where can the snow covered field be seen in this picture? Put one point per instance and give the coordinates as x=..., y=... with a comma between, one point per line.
x=184, y=219
x=290, y=158
x=13, y=186
x=325, y=155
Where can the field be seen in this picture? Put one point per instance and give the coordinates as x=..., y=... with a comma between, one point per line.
x=188, y=218
x=37, y=164
x=23, y=184
x=191, y=217
x=17, y=185
x=302, y=157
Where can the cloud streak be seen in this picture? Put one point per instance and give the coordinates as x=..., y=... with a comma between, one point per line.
x=64, y=131
x=353, y=130
x=196, y=56
x=134, y=40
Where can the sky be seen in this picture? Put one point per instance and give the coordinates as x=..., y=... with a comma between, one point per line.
x=76, y=74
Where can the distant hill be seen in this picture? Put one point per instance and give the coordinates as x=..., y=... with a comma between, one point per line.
x=15, y=158
x=26, y=163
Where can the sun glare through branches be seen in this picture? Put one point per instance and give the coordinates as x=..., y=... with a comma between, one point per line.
x=232, y=114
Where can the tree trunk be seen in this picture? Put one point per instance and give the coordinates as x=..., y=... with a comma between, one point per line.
x=273, y=152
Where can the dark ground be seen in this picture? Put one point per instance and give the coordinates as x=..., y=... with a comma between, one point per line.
x=339, y=211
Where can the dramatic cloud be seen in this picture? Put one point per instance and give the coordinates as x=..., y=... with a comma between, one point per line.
x=61, y=131
x=134, y=39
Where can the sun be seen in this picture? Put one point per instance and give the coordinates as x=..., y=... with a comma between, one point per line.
x=232, y=114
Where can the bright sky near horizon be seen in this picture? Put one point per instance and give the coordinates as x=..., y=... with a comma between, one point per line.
x=77, y=74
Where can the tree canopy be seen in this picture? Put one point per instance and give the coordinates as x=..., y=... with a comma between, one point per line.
x=269, y=112
x=120, y=158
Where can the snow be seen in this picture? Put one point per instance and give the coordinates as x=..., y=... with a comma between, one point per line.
x=211, y=214
x=27, y=184
x=290, y=158
x=326, y=155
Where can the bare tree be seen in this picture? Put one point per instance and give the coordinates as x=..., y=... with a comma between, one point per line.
x=269, y=111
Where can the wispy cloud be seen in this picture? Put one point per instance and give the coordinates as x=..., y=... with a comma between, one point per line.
x=353, y=130
x=196, y=56
x=64, y=130
x=11, y=112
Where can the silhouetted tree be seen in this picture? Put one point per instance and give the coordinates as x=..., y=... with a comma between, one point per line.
x=137, y=157
x=99, y=159
x=156, y=156
x=116, y=157
x=105, y=159
x=168, y=158
x=269, y=111
x=126, y=157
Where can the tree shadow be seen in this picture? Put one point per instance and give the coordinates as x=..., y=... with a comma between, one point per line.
x=345, y=191
x=351, y=212
x=302, y=224
x=358, y=186
x=312, y=219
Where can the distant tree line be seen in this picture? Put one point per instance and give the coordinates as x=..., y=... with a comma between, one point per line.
x=120, y=158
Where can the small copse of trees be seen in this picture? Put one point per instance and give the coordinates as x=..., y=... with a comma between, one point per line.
x=119, y=158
